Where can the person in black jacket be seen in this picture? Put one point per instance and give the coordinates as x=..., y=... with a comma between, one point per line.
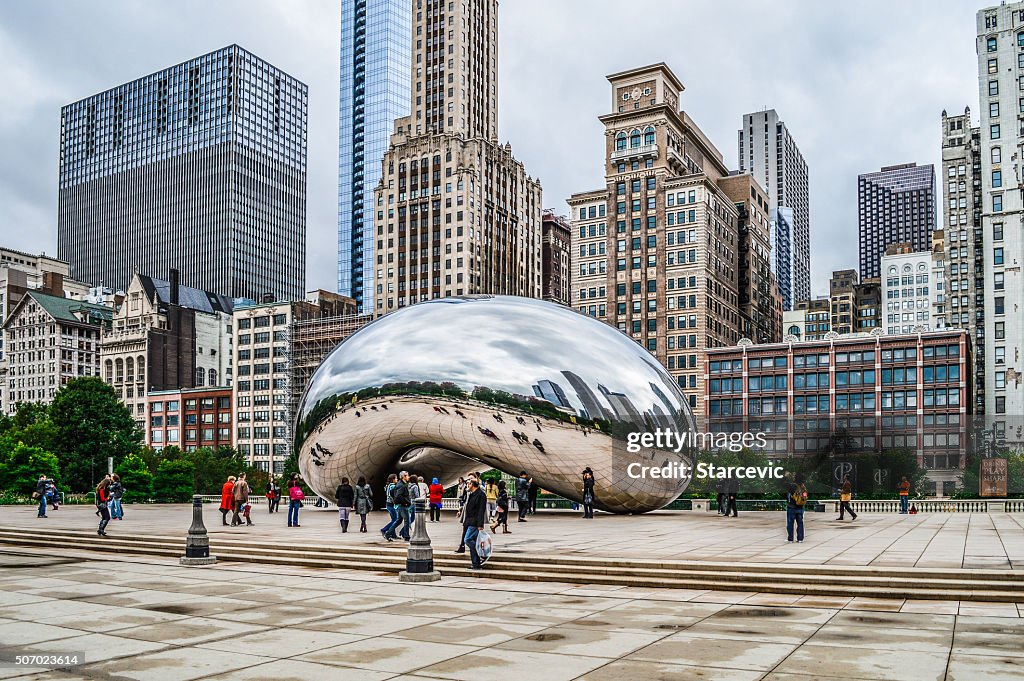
x=523, y=495
x=346, y=498
x=402, y=501
x=732, y=490
x=473, y=519
x=588, y=493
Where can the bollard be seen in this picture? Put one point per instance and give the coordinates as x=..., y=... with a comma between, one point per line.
x=419, y=566
x=197, y=546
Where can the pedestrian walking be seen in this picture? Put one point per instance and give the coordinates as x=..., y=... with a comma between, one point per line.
x=460, y=493
x=227, y=499
x=273, y=496
x=720, y=492
x=534, y=491
x=400, y=498
x=241, y=495
x=415, y=492
x=523, y=495
x=436, y=499
x=845, y=495
x=53, y=494
x=102, y=500
x=732, y=491
x=904, y=489
x=295, y=498
x=491, y=490
x=389, y=490
x=588, y=492
x=116, y=494
x=502, y=503
x=473, y=521
x=364, y=501
x=796, y=500
x=42, y=489
x=345, y=496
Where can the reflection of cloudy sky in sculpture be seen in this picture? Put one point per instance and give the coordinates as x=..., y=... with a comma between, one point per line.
x=501, y=343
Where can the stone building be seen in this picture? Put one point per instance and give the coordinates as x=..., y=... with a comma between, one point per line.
x=556, y=258
x=455, y=213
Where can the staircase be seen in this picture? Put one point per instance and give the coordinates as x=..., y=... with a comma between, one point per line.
x=1005, y=586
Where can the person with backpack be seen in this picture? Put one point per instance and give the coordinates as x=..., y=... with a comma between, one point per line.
x=588, y=492
x=904, y=490
x=389, y=505
x=796, y=500
x=436, y=499
x=502, y=503
x=523, y=495
x=845, y=495
x=102, y=500
x=116, y=494
x=295, y=499
x=345, y=496
x=364, y=501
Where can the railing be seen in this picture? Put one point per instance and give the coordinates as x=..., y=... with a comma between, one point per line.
x=645, y=150
x=929, y=505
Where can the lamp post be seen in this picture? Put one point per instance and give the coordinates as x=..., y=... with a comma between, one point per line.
x=419, y=565
x=197, y=546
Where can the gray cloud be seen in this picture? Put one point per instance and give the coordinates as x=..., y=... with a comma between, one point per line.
x=860, y=85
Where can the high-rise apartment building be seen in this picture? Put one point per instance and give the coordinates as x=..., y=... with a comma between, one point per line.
x=1000, y=32
x=759, y=298
x=456, y=213
x=965, y=252
x=200, y=166
x=768, y=151
x=895, y=205
x=661, y=245
x=376, y=46
x=556, y=258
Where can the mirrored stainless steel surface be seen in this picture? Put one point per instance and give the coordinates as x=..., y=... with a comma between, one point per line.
x=454, y=385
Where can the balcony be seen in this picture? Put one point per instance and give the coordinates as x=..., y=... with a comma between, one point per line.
x=645, y=151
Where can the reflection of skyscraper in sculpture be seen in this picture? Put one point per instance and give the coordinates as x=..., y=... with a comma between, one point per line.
x=591, y=404
x=552, y=392
x=625, y=410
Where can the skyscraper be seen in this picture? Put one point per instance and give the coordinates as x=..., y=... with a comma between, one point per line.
x=964, y=297
x=376, y=46
x=456, y=213
x=1000, y=32
x=768, y=151
x=199, y=167
x=896, y=205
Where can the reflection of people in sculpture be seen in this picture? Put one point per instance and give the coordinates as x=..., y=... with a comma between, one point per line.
x=323, y=450
x=538, y=445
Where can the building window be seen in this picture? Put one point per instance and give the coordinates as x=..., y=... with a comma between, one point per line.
x=993, y=88
x=997, y=178
x=997, y=203
x=994, y=131
x=997, y=256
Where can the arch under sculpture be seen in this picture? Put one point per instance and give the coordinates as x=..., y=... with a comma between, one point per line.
x=453, y=385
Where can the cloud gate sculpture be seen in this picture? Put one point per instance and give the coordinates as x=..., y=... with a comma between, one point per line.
x=453, y=385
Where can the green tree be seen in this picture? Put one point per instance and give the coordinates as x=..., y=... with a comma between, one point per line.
x=136, y=478
x=22, y=465
x=174, y=481
x=91, y=424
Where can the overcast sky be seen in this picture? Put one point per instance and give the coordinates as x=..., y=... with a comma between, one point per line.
x=859, y=85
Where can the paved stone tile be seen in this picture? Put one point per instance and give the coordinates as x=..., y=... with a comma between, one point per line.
x=9, y=598
x=189, y=631
x=176, y=664
x=989, y=643
x=27, y=633
x=97, y=646
x=770, y=630
x=979, y=609
x=282, y=641
x=468, y=632
x=683, y=648
x=282, y=615
x=963, y=667
x=496, y=664
x=863, y=663
x=875, y=604
x=893, y=620
x=388, y=654
x=884, y=638
x=622, y=670
x=634, y=621
x=990, y=625
x=576, y=641
x=297, y=670
x=934, y=607
x=367, y=623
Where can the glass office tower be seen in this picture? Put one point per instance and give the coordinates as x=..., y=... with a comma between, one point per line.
x=200, y=167
x=376, y=49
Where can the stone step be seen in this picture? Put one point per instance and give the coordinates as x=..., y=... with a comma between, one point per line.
x=738, y=579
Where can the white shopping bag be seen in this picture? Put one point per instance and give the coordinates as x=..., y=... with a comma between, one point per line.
x=483, y=545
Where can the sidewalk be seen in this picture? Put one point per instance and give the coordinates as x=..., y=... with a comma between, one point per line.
x=946, y=540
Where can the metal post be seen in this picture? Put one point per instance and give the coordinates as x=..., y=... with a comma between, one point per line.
x=197, y=546
x=419, y=566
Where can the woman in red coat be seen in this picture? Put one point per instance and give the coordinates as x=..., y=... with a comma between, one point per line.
x=436, y=493
x=227, y=499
